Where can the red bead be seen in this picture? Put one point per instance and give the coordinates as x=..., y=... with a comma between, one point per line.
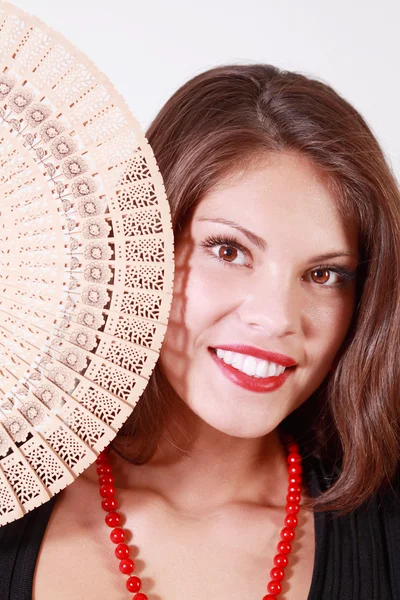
x=269, y=597
x=292, y=509
x=284, y=547
x=277, y=574
x=109, y=504
x=288, y=534
x=133, y=584
x=107, y=490
x=140, y=596
x=106, y=479
x=102, y=458
x=291, y=521
x=281, y=560
x=117, y=535
x=294, y=448
x=113, y=519
x=295, y=470
x=274, y=587
x=122, y=551
x=294, y=489
x=126, y=566
x=293, y=498
x=294, y=458
x=104, y=468
x=295, y=480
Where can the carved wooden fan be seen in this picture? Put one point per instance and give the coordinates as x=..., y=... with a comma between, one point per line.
x=86, y=262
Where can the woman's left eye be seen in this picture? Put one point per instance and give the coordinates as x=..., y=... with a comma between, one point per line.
x=323, y=273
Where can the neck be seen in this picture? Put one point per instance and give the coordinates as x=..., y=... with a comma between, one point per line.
x=210, y=469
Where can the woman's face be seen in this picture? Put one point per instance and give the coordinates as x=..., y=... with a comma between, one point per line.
x=270, y=292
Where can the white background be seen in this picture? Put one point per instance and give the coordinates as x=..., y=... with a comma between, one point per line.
x=148, y=48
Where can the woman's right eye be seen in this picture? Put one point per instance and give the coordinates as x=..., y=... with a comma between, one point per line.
x=226, y=250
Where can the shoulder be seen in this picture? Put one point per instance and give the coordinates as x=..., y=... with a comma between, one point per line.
x=379, y=516
x=320, y=475
x=20, y=542
x=358, y=553
x=387, y=501
x=34, y=520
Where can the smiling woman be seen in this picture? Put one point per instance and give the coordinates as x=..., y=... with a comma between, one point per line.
x=299, y=172
x=275, y=398
x=270, y=295
x=287, y=237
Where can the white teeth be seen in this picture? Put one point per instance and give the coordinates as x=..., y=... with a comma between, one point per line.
x=238, y=360
x=271, y=369
x=228, y=357
x=262, y=368
x=249, y=364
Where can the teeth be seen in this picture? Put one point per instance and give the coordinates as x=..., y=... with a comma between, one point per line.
x=228, y=357
x=272, y=367
x=249, y=364
x=238, y=360
x=262, y=368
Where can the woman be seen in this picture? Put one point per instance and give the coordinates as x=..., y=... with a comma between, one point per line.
x=284, y=321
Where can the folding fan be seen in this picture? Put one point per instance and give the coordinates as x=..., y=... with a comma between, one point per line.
x=86, y=262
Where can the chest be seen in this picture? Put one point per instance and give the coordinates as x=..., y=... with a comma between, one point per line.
x=227, y=556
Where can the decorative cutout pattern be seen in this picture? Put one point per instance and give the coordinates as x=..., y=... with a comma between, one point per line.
x=86, y=262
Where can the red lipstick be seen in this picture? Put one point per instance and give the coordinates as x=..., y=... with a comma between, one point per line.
x=280, y=359
x=253, y=384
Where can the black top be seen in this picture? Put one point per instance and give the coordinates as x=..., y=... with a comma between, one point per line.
x=357, y=556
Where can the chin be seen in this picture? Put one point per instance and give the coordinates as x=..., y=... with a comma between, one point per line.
x=235, y=423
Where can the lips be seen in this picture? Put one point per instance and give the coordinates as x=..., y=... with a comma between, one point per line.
x=262, y=384
x=280, y=359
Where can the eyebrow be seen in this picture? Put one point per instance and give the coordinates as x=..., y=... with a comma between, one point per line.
x=261, y=244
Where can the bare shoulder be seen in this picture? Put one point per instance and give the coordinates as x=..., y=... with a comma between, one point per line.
x=71, y=561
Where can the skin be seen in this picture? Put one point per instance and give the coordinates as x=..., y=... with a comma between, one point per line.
x=214, y=501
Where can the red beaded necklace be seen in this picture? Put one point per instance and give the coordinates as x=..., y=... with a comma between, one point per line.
x=284, y=547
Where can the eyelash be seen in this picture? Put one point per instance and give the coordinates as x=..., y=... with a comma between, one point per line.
x=211, y=241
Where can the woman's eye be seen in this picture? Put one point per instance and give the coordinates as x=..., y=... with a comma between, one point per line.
x=227, y=251
x=230, y=254
x=322, y=276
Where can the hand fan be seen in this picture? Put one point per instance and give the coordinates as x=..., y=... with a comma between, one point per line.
x=86, y=262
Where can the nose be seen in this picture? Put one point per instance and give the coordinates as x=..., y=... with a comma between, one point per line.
x=270, y=302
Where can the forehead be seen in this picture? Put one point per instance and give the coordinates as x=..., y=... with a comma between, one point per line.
x=281, y=195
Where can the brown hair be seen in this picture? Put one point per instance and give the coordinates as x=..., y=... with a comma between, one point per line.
x=224, y=119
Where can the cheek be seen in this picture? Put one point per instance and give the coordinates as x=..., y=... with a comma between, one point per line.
x=344, y=314
x=330, y=325
x=201, y=289
x=193, y=313
x=199, y=301
x=191, y=310
x=324, y=330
